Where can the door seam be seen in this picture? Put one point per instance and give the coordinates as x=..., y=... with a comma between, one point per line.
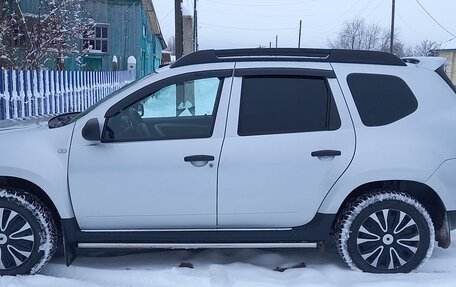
x=221, y=149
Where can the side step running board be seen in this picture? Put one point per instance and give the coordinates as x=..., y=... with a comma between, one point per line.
x=195, y=245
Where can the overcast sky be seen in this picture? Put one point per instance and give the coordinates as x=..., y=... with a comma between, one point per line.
x=250, y=23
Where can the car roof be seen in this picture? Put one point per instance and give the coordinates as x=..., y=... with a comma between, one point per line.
x=289, y=54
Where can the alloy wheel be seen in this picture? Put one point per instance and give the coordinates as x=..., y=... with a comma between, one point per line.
x=388, y=239
x=16, y=239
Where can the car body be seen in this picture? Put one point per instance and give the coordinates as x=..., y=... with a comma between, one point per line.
x=222, y=150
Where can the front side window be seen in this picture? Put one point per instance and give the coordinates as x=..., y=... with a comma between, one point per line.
x=282, y=104
x=178, y=111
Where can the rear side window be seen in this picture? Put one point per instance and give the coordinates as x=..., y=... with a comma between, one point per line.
x=282, y=104
x=381, y=99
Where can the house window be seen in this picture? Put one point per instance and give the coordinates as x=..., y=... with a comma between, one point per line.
x=97, y=42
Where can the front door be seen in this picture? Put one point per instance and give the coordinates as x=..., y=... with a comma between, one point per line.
x=156, y=166
x=288, y=140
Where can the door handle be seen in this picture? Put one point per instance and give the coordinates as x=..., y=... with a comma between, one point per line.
x=328, y=153
x=191, y=158
x=199, y=160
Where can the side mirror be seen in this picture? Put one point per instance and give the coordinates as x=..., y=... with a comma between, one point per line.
x=91, y=130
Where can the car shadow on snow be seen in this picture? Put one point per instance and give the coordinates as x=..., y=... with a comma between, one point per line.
x=237, y=267
x=201, y=258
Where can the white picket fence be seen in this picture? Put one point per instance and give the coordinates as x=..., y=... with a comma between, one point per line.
x=37, y=93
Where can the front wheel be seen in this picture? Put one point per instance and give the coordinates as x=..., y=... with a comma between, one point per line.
x=385, y=232
x=27, y=233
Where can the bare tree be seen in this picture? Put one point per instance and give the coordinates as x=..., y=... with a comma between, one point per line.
x=54, y=30
x=371, y=37
x=426, y=48
x=351, y=35
x=399, y=49
x=5, y=61
x=357, y=35
x=171, y=45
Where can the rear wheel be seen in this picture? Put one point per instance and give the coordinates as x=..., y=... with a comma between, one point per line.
x=385, y=232
x=27, y=233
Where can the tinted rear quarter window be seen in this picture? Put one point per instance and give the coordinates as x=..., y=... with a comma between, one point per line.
x=286, y=104
x=381, y=99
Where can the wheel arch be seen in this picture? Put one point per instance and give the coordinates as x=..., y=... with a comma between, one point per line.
x=24, y=185
x=420, y=191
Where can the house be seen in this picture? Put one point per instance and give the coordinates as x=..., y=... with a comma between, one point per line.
x=124, y=29
x=450, y=55
x=126, y=35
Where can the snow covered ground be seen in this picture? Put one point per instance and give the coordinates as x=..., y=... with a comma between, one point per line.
x=226, y=268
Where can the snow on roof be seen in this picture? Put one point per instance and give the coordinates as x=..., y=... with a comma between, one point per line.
x=154, y=23
x=448, y=45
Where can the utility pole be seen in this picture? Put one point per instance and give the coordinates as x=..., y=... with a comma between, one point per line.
x=179, y=34
x=270, y=44
x=195, y=25
x=392, y=26
x=300, y=29
x=277, y=41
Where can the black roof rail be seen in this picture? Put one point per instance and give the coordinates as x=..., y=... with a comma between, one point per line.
x=289, y=54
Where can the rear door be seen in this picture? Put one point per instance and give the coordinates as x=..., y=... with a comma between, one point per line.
x=289, y=138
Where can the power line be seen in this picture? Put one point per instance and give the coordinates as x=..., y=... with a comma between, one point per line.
x=342, y=15
x=288, y=16
x=167, y=14
x=410, y=26
x=260, y=5
x=249, y=29
x=367, y=7
x=437, y=22
x=375, y=9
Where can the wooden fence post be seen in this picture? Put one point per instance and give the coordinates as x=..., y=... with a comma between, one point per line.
x=21, y=94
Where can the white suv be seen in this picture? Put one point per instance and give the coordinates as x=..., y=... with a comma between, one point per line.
x=253, y=148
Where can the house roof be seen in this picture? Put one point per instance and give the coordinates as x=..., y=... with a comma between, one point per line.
x=154, y=24
x=446, y=50
x=448, y=46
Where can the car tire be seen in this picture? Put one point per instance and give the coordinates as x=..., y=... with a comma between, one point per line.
x=28, y=234
x=385, y=232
